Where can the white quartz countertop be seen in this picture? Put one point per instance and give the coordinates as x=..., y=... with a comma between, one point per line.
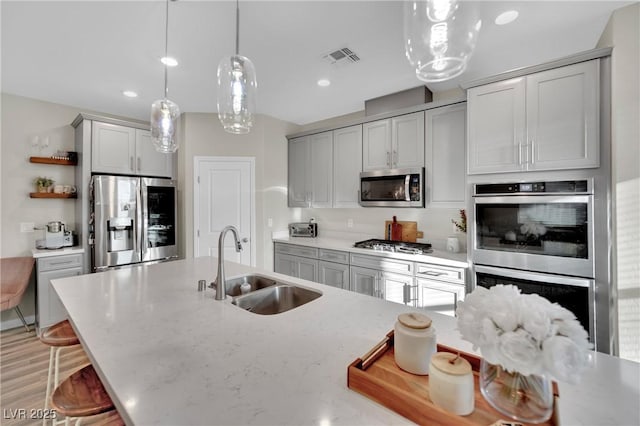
x=169, y=354
x=440, y=257
x=38, y=253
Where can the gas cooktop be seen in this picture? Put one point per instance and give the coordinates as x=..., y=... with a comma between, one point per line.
x=394, y=246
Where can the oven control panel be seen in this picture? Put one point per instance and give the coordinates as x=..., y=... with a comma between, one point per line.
x=551, y=187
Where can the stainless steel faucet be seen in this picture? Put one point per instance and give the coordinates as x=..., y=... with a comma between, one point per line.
x=221, y=288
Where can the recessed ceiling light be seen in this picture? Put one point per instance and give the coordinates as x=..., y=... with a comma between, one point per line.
x=169, y=61
x=130, y=94
x=324, y=82
x=506, y=17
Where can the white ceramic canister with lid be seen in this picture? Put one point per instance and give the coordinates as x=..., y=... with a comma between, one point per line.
x=451, y=383
x=414, y=343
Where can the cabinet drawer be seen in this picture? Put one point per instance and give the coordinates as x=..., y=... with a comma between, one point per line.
x=296, y=250
x=333, y=256
x=440, y=273
x=59, y=262
x=382, y=264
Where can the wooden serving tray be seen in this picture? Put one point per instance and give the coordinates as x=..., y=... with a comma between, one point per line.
x=377, y=377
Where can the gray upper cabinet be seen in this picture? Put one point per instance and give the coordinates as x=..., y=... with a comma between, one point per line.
x=394, y=143
x=125, y=150
x=347, y=165
x=311, y=171
x=299, y=158
x=445, y=141
x=544, y=121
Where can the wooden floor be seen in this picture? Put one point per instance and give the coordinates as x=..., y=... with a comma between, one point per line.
x=24, y=362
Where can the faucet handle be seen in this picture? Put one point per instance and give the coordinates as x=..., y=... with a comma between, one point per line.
x=245, y=240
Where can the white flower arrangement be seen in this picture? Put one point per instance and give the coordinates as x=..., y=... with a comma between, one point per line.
x=524, y=333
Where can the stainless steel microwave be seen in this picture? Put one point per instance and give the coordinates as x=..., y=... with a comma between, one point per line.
x=392, y=188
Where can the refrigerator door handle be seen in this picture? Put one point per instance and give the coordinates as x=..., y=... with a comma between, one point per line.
x=141, y=231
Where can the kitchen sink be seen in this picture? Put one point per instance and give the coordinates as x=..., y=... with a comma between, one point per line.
x=275, y=299
x=256, y=282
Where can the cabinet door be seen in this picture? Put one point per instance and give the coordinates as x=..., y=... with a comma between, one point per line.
x=376, y=145
x=320, y=177
x=299, y=158
x=407, y=141
x=333, y=274
x=285, y=264
x=495, y=127
x=113, y=148
x=365, y=281
x=307, y=269
x=347, y=165
x=445, y=141
x=563, y=117
x=49, y=308
x=150, y=162
x=399, y=289
x=439, y=297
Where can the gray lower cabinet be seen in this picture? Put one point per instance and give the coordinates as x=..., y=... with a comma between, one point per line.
x=399, y=289
x=49, y=309
x=365, y=281
x=440, y=288
x=295, y=266
x=333, y=274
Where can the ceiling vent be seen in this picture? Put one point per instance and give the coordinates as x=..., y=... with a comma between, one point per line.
x=341, y=56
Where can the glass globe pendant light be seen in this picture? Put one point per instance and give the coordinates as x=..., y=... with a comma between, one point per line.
x=164, y=112
x=236, y=89
x=440, y=36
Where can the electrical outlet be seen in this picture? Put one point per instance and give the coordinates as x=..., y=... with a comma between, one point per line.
x=349, y=223
x=27, y=226
x=270, y=222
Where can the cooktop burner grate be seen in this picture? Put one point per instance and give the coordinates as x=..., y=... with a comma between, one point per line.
x=394, y=246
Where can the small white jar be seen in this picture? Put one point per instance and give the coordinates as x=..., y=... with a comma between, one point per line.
x=414, y=343
x=451, y=383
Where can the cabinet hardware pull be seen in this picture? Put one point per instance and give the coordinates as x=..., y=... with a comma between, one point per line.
x=388, y=159
x=533, y=159
x=394, y=158
x=139, y=164
x=62, y=262
x=432, y=273
x=131, y=162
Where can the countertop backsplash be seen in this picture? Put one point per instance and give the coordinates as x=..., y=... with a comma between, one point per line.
x=369, y=223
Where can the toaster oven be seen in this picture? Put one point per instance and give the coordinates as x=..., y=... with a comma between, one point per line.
x=303, y=229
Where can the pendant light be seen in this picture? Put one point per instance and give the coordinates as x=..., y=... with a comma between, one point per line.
x=236, y=89
x=164, y=112
x=440, y=36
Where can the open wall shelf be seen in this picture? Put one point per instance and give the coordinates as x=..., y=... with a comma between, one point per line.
x=51, y=195
x=49, y=160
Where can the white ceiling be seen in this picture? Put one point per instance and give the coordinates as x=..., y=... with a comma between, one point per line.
x=85, y=53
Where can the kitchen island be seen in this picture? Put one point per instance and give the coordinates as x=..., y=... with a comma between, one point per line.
x=168, y=354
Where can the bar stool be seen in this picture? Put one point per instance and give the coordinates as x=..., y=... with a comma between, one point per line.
x=81, y=395
x=58, y=336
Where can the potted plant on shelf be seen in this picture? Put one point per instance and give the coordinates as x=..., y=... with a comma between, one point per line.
x=43, y=183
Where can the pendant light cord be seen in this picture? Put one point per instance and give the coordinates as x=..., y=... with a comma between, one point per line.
x=237, y=28
x=166, y=48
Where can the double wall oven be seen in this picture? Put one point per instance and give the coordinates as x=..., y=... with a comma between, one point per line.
x=539, y=236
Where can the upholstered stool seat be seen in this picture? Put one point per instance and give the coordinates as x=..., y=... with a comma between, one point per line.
x=15, y=274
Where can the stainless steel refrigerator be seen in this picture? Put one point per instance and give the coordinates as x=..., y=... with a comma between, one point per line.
x=132, y=220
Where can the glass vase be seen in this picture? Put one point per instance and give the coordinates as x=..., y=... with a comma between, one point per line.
x=526, y=399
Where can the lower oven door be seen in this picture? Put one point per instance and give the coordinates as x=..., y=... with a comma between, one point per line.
x=575, y=294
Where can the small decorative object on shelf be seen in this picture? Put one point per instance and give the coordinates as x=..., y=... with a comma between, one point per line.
x=43, y=184
x=462, y=224
x=525, y=341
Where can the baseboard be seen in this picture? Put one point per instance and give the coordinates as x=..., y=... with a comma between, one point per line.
x=15, y=323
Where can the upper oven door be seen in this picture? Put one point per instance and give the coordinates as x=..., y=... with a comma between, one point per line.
x=392, y=188
x=545, y=233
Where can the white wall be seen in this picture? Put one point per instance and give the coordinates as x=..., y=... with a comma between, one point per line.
x=22, y=119
x=623, y=33
x=202, y=135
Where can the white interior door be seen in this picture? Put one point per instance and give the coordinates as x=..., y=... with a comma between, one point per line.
x=224, y=195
